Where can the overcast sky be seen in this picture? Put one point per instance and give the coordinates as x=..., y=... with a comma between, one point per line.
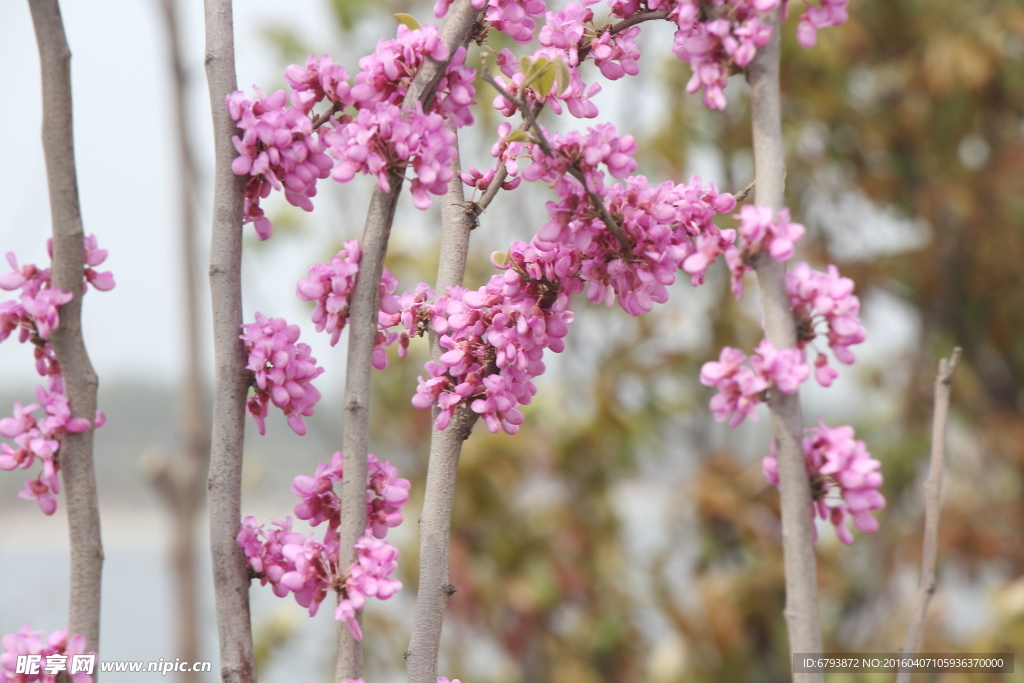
x=124, y=150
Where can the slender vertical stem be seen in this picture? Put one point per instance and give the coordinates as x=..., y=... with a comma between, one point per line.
x=363, y=308
x=797, y=533
x=80, y=381
x=230, y=574
x=932, y=508
x=184, y=486
x=457, y=221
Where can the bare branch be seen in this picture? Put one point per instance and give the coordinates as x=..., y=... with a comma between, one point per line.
x=183, y=489
x=80, y=381
x=445, y=449
x=326, y=116
x=932, y=509
x=230, y=573
x=364, y=305
x=797, y=537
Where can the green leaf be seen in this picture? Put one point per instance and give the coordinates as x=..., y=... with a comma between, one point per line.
x=524, y=65
x=499, y=258
x=562, y=75
x=546, y=78
x=518, y=136
x=408, y=21
x=536, y=71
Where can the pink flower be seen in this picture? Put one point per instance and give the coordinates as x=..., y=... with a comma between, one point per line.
x=847, y=477
x=826, y=297
x=27, y=642
x=740, y=388
x=830, y=13
x=786, y=369
x=309, y=569
x=282, y=371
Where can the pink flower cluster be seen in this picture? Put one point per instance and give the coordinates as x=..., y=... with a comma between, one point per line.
x=761, y=230
x=35, y=315
x=831, y=13
x=616, y=55
x=410, y=310
x=513, y=17
x=494, y=337
x=277, y=150
x=282, y=372
x=284, y=143
x=386, y=137
x=293, y=563
x=816, y=297
x=720, y=47
x=56, y=653
x=845, y=479
x=40, y=439
x=330, y=286
x=600, y=145
x=742, y=388
x=35, y=312
x=669, y=228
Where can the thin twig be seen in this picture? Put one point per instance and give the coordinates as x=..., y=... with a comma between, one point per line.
x=797, y=538
x=573, y=168
x=527, y=112
x=932, y=509
x=80, y=381
x=500, y=173
x=326, y=116
x=629, y=22
x=745, y=192
x=230, y=573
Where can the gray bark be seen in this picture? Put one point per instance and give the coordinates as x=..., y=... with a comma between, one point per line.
x=932, y=510
x=80, y=381
x=457, y=221
x=787, y=423
x=230, y=573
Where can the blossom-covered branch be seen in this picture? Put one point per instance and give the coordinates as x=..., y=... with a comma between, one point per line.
x=310, y=568
x=796, y=498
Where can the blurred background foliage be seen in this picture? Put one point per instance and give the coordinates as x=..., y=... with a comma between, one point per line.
x=622, y=535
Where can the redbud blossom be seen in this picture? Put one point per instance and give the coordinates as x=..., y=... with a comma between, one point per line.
x=28, y=642
x=816, y=296
x=35, y=314
x=847, y=479
x=293, y=563
x=282, y=372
